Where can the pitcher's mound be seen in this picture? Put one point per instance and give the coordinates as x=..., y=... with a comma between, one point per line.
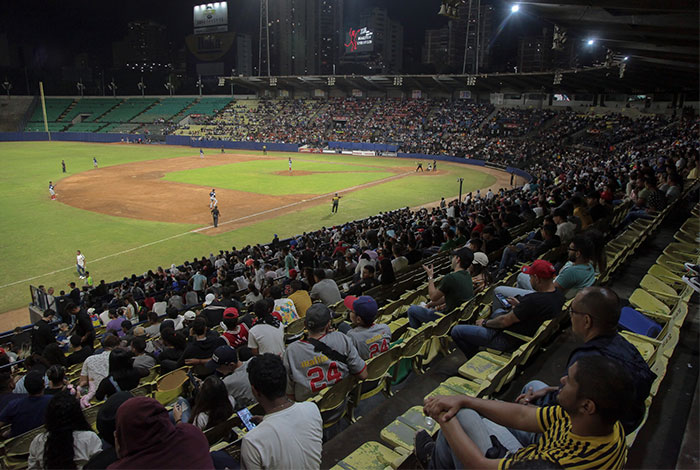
x=294, y=173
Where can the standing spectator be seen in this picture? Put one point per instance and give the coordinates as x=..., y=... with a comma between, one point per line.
x=83, y=324
x=68, y=442
x=291, y=434
x=42, y=335
x=198, y=283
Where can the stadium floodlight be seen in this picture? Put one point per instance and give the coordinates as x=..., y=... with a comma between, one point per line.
x=515, y=8
x=112, y=87
x=625, y=58
x=590, y=42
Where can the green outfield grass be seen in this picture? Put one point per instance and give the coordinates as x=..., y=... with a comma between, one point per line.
x=39, y=236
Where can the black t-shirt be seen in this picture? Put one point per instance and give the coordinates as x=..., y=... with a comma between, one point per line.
x=42, y=336
x=102, y=460
x=79, y=356
x=598, y=212
x=75, y=296
x=128, y=382
x=83, y=326
x=214, y=313
x=534, y=309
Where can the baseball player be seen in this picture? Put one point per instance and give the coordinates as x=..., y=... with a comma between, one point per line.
x=290, y=163
x=419, y=166
x=370, y=338
x=335, y=200
x=94, y=162
x=320, y=359
x=63, y=166
x=215, y=216
x=52, y=191
x=201, y=153
x=212, y=198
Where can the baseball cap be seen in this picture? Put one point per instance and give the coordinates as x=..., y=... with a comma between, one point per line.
x=190, y=315
x=222, y=355
x=465, y=255
x=481, y=258
x=391, y=234
x=230, y=313
x=364, y=307
x=540, y=268
x=209, y=299
x=317, y=315
x=292, y=273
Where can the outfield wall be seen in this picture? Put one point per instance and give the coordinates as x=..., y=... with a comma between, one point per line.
x=94, y=137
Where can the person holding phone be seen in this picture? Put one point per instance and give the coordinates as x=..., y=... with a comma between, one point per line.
x=524, y=317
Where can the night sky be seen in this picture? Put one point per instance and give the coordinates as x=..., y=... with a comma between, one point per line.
x=92, y=26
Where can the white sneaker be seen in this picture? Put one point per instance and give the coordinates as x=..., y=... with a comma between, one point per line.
x=693, y=282
x=693, y=268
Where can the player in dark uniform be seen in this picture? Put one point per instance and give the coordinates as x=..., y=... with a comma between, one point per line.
x=336, y=200
x=215, y=215
x=419, y=166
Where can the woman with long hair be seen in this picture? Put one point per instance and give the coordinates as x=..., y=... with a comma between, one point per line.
x=213, y=405
x=122, y=375
x=68, y=441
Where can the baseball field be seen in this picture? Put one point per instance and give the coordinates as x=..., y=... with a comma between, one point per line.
x=148, y=205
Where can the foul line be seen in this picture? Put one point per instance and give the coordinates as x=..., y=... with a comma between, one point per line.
x=239, y=219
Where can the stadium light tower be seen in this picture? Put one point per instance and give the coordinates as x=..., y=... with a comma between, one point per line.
x=113, y=87
x=80, y=87
x=142, y=87
x=199, y=85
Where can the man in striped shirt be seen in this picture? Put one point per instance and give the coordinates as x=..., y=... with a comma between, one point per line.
x=583, y=431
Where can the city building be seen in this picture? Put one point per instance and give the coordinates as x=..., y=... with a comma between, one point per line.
x=145, y=47
x=375, y=44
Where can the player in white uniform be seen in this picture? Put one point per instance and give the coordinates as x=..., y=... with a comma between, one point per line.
x=52, y=191
x=94, y=162
x=290, y=163
x=201, y=153
x=212, y=198
x=370, y=338
x=320, y=359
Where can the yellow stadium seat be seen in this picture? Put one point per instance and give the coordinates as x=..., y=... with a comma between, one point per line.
x=332, y=401
x=371, y=456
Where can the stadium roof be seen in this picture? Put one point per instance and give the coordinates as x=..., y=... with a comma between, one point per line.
x=637, y=79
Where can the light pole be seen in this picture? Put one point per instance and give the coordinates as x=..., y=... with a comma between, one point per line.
x=233, y=74
x=169, y=86
x=460, y=181
x=113, y=87
x=142, y=87
x=80, y=87
x=7, y=86
x=199, y=85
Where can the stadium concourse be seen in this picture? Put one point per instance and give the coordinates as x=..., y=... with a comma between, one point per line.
x=339, y=335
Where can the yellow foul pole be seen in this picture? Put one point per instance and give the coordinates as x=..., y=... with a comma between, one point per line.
x=43, y=108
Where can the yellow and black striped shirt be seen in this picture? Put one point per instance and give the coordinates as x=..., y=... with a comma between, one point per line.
x=569, y=450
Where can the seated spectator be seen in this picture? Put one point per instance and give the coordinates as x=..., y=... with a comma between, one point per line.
x=235, y=332
x=53, y=354
x=200, y=348
x=80, y=352
x=233, y=371
x=565, y=229
x=33, y=363
x=174, y=344
x=386, y=272
x=253, y=295
x=146, y=438
x=95, y=368
x=455, y=288
x=68, y=441
x=321, y=358
x=592, y=401
x=478, y=270
x=122, y=375
x=7, y=383
x=366, y=282
x=649, y=202
x=57, y=381
x=300, y=297
x=325, y=290
x=284, y=308
x=267, y=335
x=106, y=425
x=291, y=434
x=153, y=329
x=115, y=323
x=213, y=310
x=212, y=405
x=27, y=412
x=595, y=313
x=370, y=338
x=523, y=316
x=143, y=361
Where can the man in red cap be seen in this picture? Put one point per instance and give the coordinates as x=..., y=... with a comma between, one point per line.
x=521, y=314
x=235, y=332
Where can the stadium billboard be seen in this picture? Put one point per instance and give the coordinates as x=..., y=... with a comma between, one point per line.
x=359, y=40
x=210, y=18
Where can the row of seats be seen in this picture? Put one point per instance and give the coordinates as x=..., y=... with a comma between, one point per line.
x=489, y=371
x=164, y=110
x=93, y=108
x=128, y=109
x=54, y=108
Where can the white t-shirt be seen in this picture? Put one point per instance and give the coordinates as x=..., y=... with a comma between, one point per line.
x=96, y=367
x=80, y=260
x=85, y=445
x=267, y=339
x=287, y=439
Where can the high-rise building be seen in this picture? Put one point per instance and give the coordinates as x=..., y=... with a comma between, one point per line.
x=535, y=53
x=304, y=36
x=375, y=43
x=145, y=45
x=473, y=30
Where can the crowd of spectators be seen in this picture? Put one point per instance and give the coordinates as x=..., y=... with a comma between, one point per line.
x=226, y=314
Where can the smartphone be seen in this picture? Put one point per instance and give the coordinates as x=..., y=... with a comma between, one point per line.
x=245, y=416
x=503, y=300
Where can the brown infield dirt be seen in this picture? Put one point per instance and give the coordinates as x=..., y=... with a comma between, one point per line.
x=138, y=191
